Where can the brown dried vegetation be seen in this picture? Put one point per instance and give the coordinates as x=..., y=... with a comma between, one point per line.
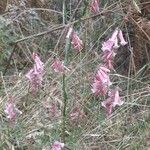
x=141, y=36
x=138, y=25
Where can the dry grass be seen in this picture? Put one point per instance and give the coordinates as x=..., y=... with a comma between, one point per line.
x=128, y=127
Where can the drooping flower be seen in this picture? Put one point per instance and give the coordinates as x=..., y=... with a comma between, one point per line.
x=57, y=145
x=94, y=6
x=117, y=99
x=108, y=45
x=112, y=101
x=114, y=35
x=111, y=42
x=101, y=81
x=38, y=63
x=107, y=104
x=121, y=38
x=116, y=46
x=58, y=66
x=76, y=42
x=35, y=75
x=35, y=79
x=103, y=75
x=99, y=88
x=11, y=110
x=108, y=58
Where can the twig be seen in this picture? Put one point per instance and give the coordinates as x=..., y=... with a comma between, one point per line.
x=40, y=34
x=59, y=28
x=65, y=97
x=141, y=28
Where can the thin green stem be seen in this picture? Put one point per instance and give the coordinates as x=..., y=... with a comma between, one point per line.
x=64, y=111
x=65, y=98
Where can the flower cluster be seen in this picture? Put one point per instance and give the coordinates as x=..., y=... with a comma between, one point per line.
x=112, y=101
x=110, y=46
x=75, y=40
x=101, y=84
x=58, y=66
x=101, y=81
x=35, y=75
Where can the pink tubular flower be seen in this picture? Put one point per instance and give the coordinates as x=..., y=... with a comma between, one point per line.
x=35, y=79
x=101, y=82
x=111, y=42
x=38, y=63
x=11, y=110
x=57, y=145
x=35, y=75
x=116, y=46
x=114, y=35
x=99, y=88
x=108, y=59
x=121, y=38
x=102, y=75
x=112, y=100
x=76, y=42
x=94, y=6
x=58, y=66
x=108, y=45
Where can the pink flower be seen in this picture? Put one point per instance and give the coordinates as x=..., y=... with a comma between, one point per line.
x=57, y=145
x=94, y=6
x=111, y=42
x=108, y=45
x=102, y=75
x=35, y=79
x=29, y=74
x=11, y=110
x=101, y=82
x=107, y=104
x=116, y=46
x=114, y=35
x=121, y=38
x=58, y=66
x=112, y=101
x=115, y=94
x=35, y=75
x=108, y=59
x=38, y=63
x=76, y=42
x=99, y=88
